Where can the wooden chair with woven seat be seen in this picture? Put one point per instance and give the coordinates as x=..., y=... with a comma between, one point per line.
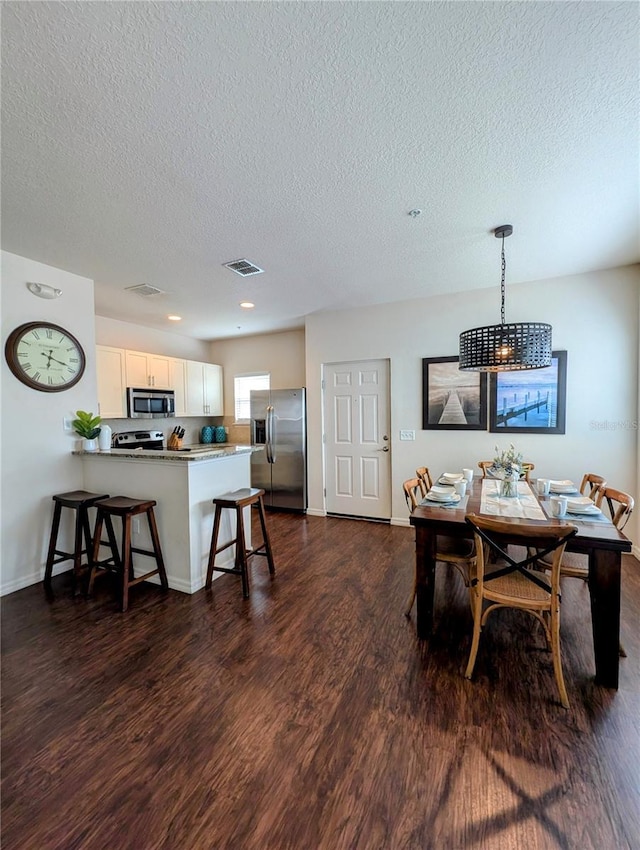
x=514, y=583
x=593, y=483
x=457, y=552
x=527, y=468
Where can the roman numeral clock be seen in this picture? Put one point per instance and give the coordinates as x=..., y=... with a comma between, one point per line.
x=45, y=357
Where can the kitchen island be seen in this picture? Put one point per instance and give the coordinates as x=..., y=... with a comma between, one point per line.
x=183, y=483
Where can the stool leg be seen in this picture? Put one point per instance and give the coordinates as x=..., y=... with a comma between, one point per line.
x=214, y=543
x=241, y=552
x=155, y=539
x=97, y=534
x=127, y=561
x=265, y=537
x=77, y=551
x=55, y=525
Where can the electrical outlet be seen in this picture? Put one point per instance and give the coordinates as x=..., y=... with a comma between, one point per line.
x=66, y=423
x=407, y=435
x=135, y=525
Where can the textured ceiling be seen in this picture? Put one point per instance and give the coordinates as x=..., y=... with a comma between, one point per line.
x=152, y=142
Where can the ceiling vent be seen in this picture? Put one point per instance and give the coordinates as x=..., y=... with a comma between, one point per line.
x=243, y=267
x=145, y=290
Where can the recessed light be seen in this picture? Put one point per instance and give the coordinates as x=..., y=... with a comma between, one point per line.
x=247, y=305
x=174, y=318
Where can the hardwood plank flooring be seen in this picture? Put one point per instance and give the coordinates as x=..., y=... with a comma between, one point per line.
x=310, y=717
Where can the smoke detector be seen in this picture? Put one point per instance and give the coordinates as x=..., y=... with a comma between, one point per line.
x=145, y=290
x=243, y=267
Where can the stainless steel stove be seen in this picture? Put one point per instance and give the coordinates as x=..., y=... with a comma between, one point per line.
x=153, y=440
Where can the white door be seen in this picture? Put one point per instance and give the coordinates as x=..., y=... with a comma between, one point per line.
x=357, y=439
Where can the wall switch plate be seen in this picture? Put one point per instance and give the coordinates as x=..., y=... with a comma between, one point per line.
x=66, y=423
x=407, y=435
x=135, y=525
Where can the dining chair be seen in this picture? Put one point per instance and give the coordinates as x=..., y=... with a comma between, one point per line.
x=527, y=468
x=512, y=583
x=459, y=553
x=594, y=483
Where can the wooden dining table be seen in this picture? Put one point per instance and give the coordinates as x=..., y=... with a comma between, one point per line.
x=601, y=541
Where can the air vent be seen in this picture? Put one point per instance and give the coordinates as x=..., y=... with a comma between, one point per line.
x=243, y=267
x=145, y=290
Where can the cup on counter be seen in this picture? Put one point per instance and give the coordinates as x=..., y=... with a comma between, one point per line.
x=460, y=487
x=559, y=505
x=467, y=474
x=542, y=485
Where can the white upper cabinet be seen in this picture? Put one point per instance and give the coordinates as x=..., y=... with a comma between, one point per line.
x=178, y=378
x=204, y=389
x=110, y=368
x=148, y=370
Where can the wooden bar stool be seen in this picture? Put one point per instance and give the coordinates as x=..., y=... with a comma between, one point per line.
x=79, y=501
x=122, y=562
x=236, y=501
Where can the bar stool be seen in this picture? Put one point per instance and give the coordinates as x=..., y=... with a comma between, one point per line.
x=79, y=501
x=236, y=501
x=122, y=563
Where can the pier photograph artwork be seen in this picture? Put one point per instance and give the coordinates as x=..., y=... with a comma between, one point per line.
x=530, y=401
x=452, y=399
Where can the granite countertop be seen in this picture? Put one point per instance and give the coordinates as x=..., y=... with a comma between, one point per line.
x=197, y=452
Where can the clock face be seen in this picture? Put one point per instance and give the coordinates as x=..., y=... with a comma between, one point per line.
x=45, y=357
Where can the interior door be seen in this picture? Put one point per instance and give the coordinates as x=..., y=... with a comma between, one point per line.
x=357, y=439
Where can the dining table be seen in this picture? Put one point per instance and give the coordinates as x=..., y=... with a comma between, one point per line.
x=597, y=538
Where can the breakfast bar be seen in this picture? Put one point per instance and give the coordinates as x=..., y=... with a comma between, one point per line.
x=183, y=483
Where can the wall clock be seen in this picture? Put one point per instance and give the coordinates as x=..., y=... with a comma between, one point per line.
x=45, y=357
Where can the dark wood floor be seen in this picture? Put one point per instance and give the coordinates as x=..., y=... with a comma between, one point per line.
x=310, y=717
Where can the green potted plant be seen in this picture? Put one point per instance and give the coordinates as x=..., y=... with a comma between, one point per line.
x=87, y=425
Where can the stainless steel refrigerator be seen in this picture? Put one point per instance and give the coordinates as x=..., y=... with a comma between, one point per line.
x=279, y=428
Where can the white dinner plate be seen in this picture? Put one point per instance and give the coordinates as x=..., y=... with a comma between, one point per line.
x=449, y=491
x=452, y=476
x=447, y=500
x=565, y=486
x=583, y=509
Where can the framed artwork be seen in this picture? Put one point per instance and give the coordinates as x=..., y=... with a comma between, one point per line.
x=531, y=401
x=452, y=400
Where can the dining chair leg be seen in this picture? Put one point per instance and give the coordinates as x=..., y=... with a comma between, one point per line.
x=410, y=601
x=557, y=661
x=477, y=626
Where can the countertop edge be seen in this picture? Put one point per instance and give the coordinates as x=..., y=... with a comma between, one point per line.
x=217, y=453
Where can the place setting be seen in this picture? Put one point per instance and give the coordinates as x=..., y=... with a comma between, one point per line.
x=450, y=491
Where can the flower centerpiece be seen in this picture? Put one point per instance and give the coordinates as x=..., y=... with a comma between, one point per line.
x=507, y=466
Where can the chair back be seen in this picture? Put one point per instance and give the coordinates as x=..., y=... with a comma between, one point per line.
x=414, y=492
x=620, y=505
x=494, y=536
x=423, y=473
x=591, y=485
x=527, y=468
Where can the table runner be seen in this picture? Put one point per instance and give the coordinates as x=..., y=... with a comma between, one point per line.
x=526, y=506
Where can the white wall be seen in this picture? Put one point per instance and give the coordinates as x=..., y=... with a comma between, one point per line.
x=138, y=338
x=594, y=317
x=36, y=459
x=281, y=354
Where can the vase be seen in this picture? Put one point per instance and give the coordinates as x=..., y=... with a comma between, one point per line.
x=104, y=438
x=206, y=434
x=221, y=434
x=90, y=445
x=508, y=487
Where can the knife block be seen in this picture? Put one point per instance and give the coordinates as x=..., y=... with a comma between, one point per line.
x=174, y=442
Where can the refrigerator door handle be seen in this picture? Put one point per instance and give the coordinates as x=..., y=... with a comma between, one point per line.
x=271, y=457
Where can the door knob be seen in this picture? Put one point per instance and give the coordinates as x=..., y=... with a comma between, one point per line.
x=383, y=449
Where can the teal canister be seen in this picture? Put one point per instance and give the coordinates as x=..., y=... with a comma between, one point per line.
x=207, y=434
x=221, y=434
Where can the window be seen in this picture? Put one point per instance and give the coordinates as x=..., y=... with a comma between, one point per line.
x=242, y=386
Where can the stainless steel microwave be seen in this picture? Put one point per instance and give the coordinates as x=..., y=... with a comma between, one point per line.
x=144, y=403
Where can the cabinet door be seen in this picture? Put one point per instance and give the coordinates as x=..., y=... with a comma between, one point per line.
x=110, y=368
x=178, y=383
x=137, y=371
x=213, y=390
x=195, y=388
x=159, y=369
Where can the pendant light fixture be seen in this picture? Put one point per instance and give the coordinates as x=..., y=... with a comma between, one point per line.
x=505, y=347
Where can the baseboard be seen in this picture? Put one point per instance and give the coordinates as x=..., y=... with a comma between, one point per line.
x=400, y=520
x=315, y=512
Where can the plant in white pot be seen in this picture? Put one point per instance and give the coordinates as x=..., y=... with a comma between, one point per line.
x=87, y=425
